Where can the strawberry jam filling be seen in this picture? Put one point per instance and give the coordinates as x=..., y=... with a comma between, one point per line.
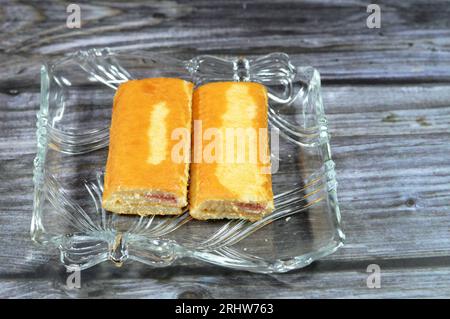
x=167, y=198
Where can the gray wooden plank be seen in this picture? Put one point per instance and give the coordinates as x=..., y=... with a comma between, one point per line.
x=380, y=222
x=132, y=281
x=381, y=110
x=409, y=47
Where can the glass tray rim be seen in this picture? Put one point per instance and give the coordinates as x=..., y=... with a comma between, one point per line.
x=260, y=266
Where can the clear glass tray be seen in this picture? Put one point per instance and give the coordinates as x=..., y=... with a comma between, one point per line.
x=72, y=134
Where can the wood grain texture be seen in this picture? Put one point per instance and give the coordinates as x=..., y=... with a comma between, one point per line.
x=322, y=280
x=387, y=96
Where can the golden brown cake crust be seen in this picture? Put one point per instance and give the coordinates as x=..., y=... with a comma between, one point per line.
x=229, y=105
x=145, y=113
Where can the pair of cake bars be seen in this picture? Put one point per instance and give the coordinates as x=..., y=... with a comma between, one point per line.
x=165, y=135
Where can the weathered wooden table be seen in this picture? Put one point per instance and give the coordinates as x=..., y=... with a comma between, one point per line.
x=387, y=95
